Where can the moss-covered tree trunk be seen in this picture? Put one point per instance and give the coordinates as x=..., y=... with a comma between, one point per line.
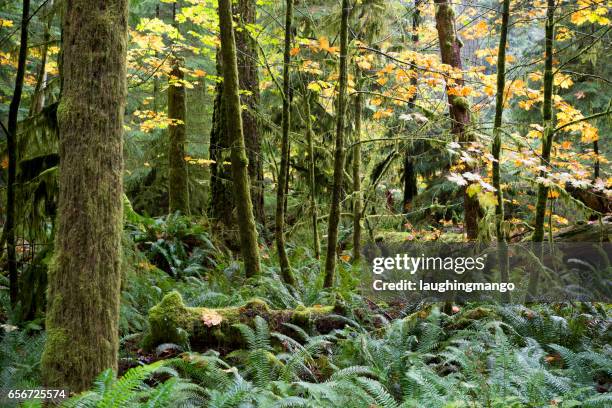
x=221, y=200
x=547, y=140
x=246, y=47
x=85, y=279
x=450, y=52
x=284, y=166
x=314, y=213
x=11, y=147
x=547, y=119
x=502, y=250
x=171, y=321
x=410, y=174
x=178, y=181
x=357, y=204
x=334, y=211
x=240, y=175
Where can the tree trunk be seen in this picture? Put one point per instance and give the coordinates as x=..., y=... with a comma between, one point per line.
x=171, y=321
x=450, y=51
x=410, y=175
x=85, y=279
x=11, y=146
x=178, y=181
x=334, y=212
x=502, y=250
x=547, y=140
x=311, y=178
x=240, y=176
x=222, y=201
x=38, y=97
x=357, y=169
x=246, y=47
x=284, y=166
x=547, y=119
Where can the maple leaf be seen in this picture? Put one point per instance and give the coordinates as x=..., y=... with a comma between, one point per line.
x=457, y=179
x=211, y=318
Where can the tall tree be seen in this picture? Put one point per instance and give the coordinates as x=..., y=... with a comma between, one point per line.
x=502, y=250
x=11, y=139
x=450, y=52
x=248, y=75
x=547, y=119
x=547, y=139
x=38, y=97
x=240, y=176
x=178, y=181
x=178, y=187
x=410, y=175
x=311, y=177
x=221, y=203
x=283, y=171
x=221, y=199
x=85, y=279
x=334, y=212
x=357, y=168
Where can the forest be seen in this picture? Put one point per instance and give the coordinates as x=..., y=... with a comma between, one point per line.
x=218, y=203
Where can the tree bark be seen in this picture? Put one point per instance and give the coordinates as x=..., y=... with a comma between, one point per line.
x=502, y=249
x=284, y=166
x=311, y=178
x=547, y=139
x=334, y=212
x=246, y=47
x=242, y=194
x=222, y=201
x=357, y=204
x=410, y=175
x=547, y=119
x=11, y=142
x=85, y=279
x=178, y=181
x=450, y=51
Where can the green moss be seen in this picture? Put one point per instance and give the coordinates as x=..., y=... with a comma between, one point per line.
x=461, y=102
x=172, y=322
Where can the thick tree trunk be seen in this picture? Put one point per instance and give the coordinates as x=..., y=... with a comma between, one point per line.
x=450, y=51
x=502, y=249
x=284, y=166
x=11, y=142
x=357, y=169
x=410, y=175
x=178, y=181
x=85, y=279
x=334, y=211
x=547, y=139
x=222, y=201
x=240, y=175
x=249, y=81
x=311, y=178
x=171, y=321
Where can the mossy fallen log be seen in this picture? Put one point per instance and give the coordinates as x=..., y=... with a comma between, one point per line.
x=171, y=321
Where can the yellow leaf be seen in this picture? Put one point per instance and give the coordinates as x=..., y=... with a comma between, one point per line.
x=211, y=318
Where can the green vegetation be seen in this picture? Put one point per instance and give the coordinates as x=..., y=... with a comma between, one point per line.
x=193, y=192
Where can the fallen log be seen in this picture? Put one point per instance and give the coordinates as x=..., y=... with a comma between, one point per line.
x=593, y=231
x=171, y=321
